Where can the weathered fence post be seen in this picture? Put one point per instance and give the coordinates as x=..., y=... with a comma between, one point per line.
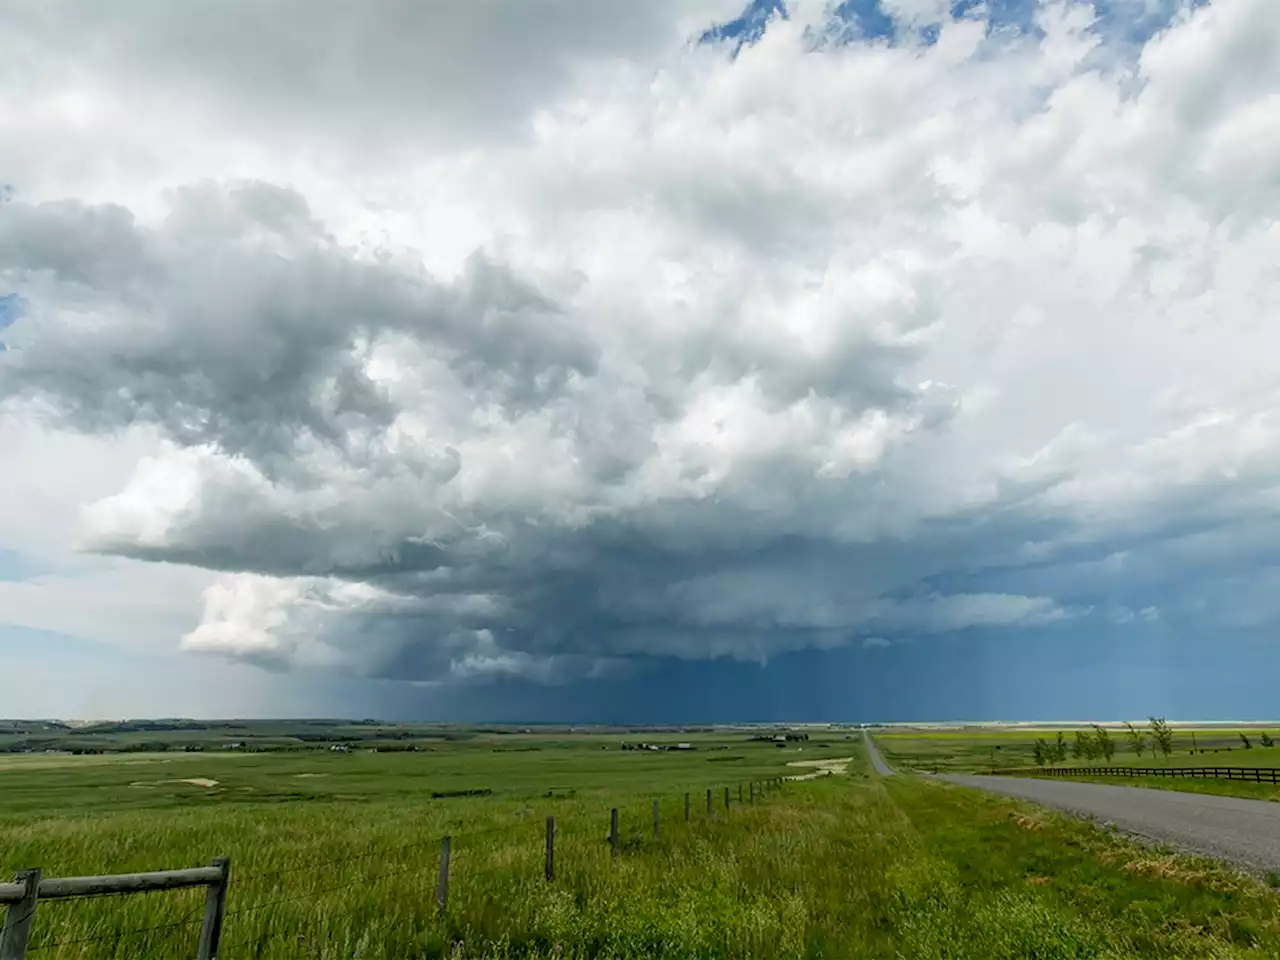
x=613, y=833
x=215, y=908
x=17, y=920
x=686, y=806
x=739, y=793
x=726, y=799
x=551, y=849
x=655, y=819
x=442, y=882
x=753, y=791
x=708, y=801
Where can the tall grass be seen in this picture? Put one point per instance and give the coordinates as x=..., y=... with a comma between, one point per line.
x=842, y=867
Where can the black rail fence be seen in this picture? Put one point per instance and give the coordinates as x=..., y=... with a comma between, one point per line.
x=196, y=932
x=1245, y=774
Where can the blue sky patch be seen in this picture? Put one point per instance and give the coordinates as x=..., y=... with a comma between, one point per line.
x=749, y=27
x=12, y=567
x=12, y=307
x=1123, y=22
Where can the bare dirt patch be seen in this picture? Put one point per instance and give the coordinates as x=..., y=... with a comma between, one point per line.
x=820, y=768
x=1028, y=822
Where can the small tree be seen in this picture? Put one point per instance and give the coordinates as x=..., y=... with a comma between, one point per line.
x=1105, y=745
x=1245, y=741
x=1161, y=735
x=1265, y=739
x=1094, y=751
x=1080, y=746
x=1042, y=751
x=1137, y=742
x=1060, y=748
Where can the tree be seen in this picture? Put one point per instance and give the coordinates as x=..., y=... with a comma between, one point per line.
x=1060, y=748
x=1245, y=741
x=1042, y=751
x=1106, y=747
x=1137, y=742
x=1080, y=747
x=1161, y=735
x=1265, y=739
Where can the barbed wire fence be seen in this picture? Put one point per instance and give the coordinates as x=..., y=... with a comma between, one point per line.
x=195, y=932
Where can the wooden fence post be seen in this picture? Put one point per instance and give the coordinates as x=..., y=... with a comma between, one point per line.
x=753, y=791
x=17, y=920
x=686, y=806
x=708, y=801
x=551, y=849
x=442, y=882
x=655, y=819
x=739, y=793
x=613, y=833
x=215, y=908
x=726, y=799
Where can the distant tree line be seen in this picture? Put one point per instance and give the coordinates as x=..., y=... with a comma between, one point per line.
x=1098, y=744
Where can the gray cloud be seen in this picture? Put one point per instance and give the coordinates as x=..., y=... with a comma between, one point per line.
x=239, y=323
x=725, y=358
x=341, y=415
x=372, y=78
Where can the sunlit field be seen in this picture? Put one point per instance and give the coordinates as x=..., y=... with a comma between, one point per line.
x=977, y=749
x=336, y=855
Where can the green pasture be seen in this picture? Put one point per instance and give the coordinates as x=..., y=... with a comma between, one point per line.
x=979, y=750
x=519, y=767
x=336, y=856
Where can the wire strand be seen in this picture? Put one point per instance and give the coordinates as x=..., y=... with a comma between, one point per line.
x=633, y=807
x=115, y=936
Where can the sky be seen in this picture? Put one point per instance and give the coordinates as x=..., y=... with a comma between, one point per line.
x=663, y=361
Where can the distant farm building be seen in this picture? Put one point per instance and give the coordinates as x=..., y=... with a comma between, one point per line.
x=656, y=746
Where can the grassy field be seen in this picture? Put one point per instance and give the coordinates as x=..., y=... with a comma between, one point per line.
x=336, y=855
x=510, y=767
x=979, y=750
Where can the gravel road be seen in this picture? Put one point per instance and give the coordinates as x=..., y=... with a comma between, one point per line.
x=1243, y=832
x=877, y=761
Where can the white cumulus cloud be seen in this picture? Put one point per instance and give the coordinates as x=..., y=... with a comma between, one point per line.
x=579, y=343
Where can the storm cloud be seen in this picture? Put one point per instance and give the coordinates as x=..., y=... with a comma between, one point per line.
x=628, y=346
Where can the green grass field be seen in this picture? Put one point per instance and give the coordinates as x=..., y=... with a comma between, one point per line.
x=979, y=750
x=335, y=855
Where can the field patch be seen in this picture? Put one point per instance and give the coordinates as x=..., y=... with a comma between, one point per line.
x=344, y=863
x=192, y=781
x=820, y=768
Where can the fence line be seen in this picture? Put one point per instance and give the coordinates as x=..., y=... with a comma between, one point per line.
x=30, y=887
x=1245, y=774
